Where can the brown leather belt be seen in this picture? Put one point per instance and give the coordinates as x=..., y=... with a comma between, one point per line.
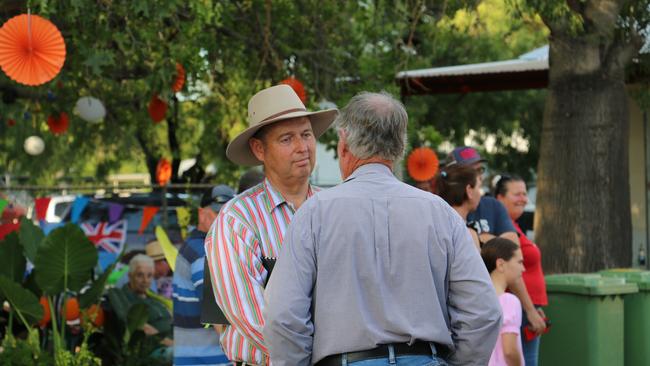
x=400, y=349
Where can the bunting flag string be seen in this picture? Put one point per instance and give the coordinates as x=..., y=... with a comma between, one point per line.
x=78, y=205
x=147, y=214
x=183, y=214
x=106, y=237
x=168, y=248
x=3, y=204
x=40, y=206
x=115, y=212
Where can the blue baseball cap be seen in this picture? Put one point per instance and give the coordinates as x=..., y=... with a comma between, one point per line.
x=216, y=196
x=464, y=155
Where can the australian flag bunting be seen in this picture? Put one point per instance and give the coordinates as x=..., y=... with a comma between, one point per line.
x=106, y=237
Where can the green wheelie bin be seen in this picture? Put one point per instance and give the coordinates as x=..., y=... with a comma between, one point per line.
x=587, y=313
x=637, y=316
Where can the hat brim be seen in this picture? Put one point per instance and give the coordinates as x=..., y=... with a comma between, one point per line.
x=466, y=162
x=239, y=152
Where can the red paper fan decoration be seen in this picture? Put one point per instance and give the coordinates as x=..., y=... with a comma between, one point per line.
x=179, y=81
x=163, y=171
x=32, y=50
x=422, y=164
x=58, y=125
x=297, y=86
x=157, y=109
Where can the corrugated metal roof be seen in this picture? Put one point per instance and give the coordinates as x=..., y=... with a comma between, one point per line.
x=532, y=61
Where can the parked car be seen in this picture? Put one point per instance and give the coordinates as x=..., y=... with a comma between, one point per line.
x=58, y=208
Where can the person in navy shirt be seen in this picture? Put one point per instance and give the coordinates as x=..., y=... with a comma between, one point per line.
x=491, y=220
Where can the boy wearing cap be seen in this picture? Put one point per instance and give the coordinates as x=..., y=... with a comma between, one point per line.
x=250, y=228
x=196, y=345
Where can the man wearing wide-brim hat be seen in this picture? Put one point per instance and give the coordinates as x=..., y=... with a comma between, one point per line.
x=249, y=229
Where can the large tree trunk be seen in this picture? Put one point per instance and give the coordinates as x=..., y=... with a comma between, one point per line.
x=583, y=219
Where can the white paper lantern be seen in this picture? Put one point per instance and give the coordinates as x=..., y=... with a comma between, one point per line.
x=34, y=145
x=326, y=104
x=90, y=109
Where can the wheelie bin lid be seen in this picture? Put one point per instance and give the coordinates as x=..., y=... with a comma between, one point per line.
x=633, y=275
x=591, y=284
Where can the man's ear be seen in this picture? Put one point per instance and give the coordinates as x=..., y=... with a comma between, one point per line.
x=257, y=147
x=342, y=145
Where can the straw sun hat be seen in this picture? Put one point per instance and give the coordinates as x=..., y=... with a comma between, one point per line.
x=271, y=105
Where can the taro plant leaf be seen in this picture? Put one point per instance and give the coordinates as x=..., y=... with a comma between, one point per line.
x=23, y=301
x=64, y=261
x=95, y=292
x=119, y=303
x=135, y=319
x=31, y=237
x=31, y=285
x=12, y=262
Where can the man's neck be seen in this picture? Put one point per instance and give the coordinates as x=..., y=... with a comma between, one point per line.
x=358, y=163
x=462, y=211
x=294, y=191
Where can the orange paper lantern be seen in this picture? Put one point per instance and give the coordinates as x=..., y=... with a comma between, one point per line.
x=297, y=86
x=71, y=309
x=422, y=164
x=163, y=171
x=32, y=50
x=179, y=81
x=94, y=314
x=47, y=316
x=58, y=125
x=157, y=109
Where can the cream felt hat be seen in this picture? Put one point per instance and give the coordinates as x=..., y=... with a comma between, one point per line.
x=271, y=105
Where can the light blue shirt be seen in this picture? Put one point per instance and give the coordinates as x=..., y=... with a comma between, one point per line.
x=375, y=261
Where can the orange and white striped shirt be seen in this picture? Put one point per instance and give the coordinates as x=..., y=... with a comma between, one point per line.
x=248, y=227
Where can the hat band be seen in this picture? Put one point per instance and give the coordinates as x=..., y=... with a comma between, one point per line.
x=282, y=113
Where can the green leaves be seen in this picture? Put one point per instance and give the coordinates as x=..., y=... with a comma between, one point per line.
x=22, y=301
x=135, y=319
x=12, y=262
x=31, y=237
x=65, y=260
x=95, y=292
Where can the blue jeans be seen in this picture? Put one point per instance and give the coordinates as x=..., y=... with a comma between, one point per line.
x=403, y=361
x=529, y=348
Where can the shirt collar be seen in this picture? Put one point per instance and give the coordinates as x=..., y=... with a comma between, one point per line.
x=275, y=199
x=371, y=168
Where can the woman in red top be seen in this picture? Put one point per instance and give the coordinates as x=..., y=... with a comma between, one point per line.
x=511, y=191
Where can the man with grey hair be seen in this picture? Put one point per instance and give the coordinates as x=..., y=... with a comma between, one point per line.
x=375, y=270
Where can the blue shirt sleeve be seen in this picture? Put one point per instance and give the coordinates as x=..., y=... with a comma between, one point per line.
x=197, y=276
x=502, y=222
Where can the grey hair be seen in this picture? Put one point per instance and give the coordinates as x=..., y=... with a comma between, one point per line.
x=374, y=125
x=140, y=259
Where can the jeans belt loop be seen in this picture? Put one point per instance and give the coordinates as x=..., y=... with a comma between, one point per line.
x=344, y=359
x=434, y=351
x=391, y=354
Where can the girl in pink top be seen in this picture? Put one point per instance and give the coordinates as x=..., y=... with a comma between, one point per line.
x=505, y=263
